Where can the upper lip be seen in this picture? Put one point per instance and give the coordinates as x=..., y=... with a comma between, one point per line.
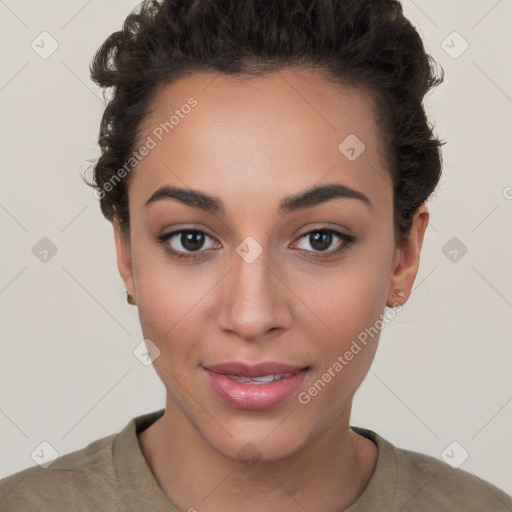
x=253, y=370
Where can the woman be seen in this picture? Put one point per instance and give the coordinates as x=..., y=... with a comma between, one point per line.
x=265, y=166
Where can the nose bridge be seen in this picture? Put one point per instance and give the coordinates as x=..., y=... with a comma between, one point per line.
x=254, y=301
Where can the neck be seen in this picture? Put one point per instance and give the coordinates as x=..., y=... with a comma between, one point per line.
x=328, y=474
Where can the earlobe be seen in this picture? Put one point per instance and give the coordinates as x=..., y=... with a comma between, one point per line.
x=124, y=261
x=407, y=259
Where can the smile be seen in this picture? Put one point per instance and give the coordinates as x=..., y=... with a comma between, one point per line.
x=254, y=387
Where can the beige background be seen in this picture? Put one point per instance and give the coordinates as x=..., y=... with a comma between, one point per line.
x=68, y=373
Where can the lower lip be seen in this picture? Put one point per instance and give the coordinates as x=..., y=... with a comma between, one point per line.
x=254, y=396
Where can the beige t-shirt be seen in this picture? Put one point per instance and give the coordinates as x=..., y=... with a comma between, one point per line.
x=111, y=474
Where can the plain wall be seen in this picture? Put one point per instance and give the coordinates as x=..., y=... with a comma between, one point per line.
x=68, y=374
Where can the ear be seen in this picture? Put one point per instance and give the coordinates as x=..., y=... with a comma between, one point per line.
x=124, y=259
x=407, y=259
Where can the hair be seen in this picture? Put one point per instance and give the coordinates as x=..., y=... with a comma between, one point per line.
x=368, y=44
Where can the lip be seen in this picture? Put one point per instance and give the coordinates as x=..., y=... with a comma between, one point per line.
x=254, y=396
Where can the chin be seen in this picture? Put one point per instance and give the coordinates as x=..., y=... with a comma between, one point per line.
x=253, y=437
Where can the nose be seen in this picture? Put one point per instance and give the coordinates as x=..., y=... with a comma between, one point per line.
x=255, y=300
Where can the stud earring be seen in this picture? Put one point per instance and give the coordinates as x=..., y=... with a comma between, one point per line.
x=129, y=298
x=399, y=293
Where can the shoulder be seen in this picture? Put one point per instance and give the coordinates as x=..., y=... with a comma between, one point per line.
x=81, y=480
x=408, y=481
x=427, y=483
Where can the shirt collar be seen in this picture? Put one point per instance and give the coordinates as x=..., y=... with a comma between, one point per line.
x=380, y=492
x=135, y=475
x=133, y=472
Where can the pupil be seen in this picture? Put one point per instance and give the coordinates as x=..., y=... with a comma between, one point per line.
x=192, y=240
x=320, y=240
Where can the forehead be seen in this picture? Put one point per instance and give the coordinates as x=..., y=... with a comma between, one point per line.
x=284, y=131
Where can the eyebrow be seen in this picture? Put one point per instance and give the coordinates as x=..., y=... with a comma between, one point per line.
x=305, y=199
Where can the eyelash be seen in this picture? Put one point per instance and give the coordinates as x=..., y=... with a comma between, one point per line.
x=348, y=239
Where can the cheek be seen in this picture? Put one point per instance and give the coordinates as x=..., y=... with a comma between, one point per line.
x=174, y=304
x=350, y=302
x=354, y=321
x=170, y=316
x=348, y=298
x=344, y=358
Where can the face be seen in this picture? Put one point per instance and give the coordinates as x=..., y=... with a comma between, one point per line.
x=260, y=268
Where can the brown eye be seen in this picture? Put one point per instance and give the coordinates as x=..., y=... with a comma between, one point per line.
x=192, y=240
x=185, y=243
x=320, y=240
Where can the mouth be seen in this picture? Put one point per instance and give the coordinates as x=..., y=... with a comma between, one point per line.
x=259, y=386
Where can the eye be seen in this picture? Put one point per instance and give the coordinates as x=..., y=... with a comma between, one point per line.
x=185, y=243
x=190, y=243
x=321, y=239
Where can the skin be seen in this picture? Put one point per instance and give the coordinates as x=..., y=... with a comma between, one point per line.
x=252, y=143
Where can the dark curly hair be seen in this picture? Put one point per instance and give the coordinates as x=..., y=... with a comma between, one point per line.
x=363, y=43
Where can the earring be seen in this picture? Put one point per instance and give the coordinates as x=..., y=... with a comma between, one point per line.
x=129, y=298
x=398, y=292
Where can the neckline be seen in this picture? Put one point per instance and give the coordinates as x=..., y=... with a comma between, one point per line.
x=135, y=474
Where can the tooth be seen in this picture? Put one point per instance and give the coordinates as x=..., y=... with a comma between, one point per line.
x=239, y=379
x=264, y=379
